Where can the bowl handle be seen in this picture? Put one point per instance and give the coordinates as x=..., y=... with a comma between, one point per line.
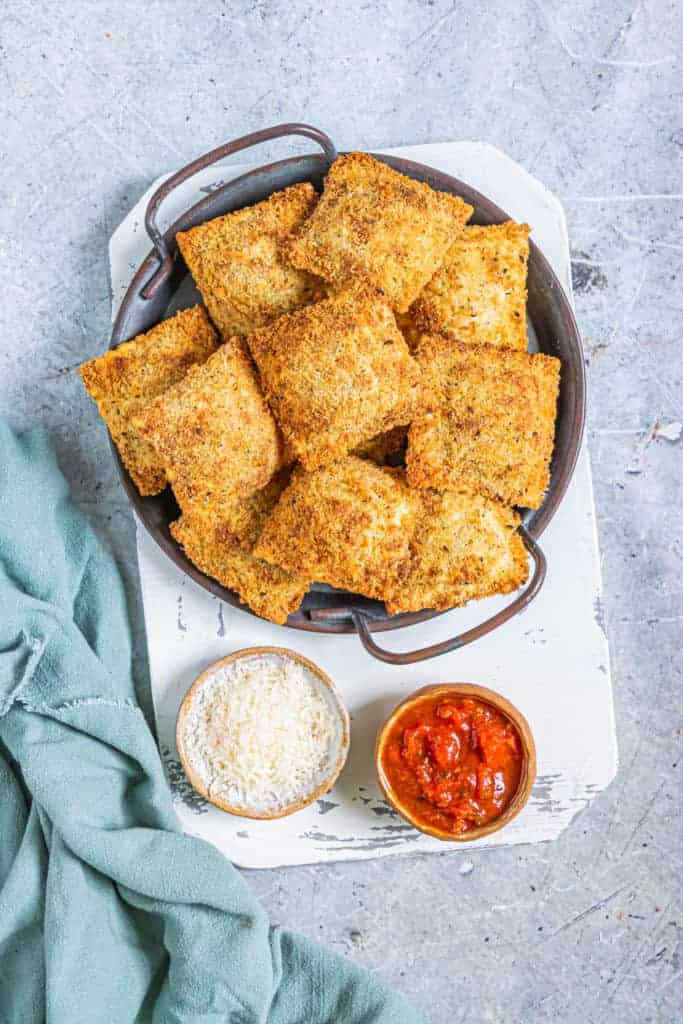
x=161, y=248
x=519, y=604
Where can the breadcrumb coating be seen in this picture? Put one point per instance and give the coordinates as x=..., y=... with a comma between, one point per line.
x=376, y=225
x=336, y=374
x=237, y=264
x=491, y=429
x=479, y=293
x=270, y=592
x=465, y=547
x=125, y=379
x=348, y=525
x=237, y=520
x=214, y=432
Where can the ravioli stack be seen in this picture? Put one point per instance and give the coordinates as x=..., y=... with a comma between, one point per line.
x=358, y=408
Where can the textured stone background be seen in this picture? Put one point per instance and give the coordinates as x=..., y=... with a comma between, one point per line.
x=99, y=98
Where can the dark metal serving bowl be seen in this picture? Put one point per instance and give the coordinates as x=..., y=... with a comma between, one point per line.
x=154, y=289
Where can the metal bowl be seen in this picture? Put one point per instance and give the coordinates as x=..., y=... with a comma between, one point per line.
x=154, y=289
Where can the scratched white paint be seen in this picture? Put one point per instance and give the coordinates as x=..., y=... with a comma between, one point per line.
x=552, y=662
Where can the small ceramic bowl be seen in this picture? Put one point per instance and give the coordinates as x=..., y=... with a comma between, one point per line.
x=528, y=773
x=336, y=762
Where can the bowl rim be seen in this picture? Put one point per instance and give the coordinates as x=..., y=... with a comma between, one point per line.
x=284, y=811
x=500, y=703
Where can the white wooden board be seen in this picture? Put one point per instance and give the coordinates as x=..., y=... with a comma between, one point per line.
x=552, y=661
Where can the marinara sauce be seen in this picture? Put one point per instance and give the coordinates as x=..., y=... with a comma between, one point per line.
x=453, y=763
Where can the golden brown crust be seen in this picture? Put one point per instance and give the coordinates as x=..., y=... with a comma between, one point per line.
x=492, y=427
x=478, y=295
x=237, y=520
x=348, y=525
x=237, y=265
x=465, y=547
x=214, y=432
x=377, y=225
x=336, y=374
x=125, y=379
x=271, y=592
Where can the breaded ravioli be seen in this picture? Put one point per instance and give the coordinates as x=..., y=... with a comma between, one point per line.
x=491, y=428
x=237, y=265
x=336, y=374
x=213, y=431
x=465, y=546
x=271, y=592
x=348, y=525
x=126, y=379
x=237, y=520
x=478, y=295
x=377, y=225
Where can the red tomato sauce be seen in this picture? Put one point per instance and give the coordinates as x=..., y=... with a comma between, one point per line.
x=453, y=763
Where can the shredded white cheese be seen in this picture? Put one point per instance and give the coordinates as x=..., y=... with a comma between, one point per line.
x=263, y=732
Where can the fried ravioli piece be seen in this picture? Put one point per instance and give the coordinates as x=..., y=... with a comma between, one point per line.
x=271, y=592
x=491, y=427
x=348, y=525
x=465, y=546
x=375, y=224
x=125, y=379
x=214, y=432
x=237, y=520
x=479, y=293
x=336, y=374
x=237, y=265
x=386, y=449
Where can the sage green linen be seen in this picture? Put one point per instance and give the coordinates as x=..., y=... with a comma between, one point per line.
x=108, y=912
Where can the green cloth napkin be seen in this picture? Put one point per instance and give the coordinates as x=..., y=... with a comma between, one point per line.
x=108, y=912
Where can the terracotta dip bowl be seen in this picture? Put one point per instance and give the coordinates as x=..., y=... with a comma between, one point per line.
x=428, y=696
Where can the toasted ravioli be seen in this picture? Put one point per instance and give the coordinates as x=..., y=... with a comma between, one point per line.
x=465, y=546
x=348, y=525
x=236, y=520
x=385, y=449
x=214, y=432
x=377, y=225
x=478, y=295
x=271, y=592
x=336, y=374
x=125, y=379
x=237, y=265
x=491, y=428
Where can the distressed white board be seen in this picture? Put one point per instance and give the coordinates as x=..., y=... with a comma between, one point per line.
x=552, y=661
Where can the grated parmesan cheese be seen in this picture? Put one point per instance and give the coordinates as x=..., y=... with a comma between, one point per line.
x=263, y=732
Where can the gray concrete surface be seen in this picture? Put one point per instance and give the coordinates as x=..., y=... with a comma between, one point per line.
x=99, y=98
